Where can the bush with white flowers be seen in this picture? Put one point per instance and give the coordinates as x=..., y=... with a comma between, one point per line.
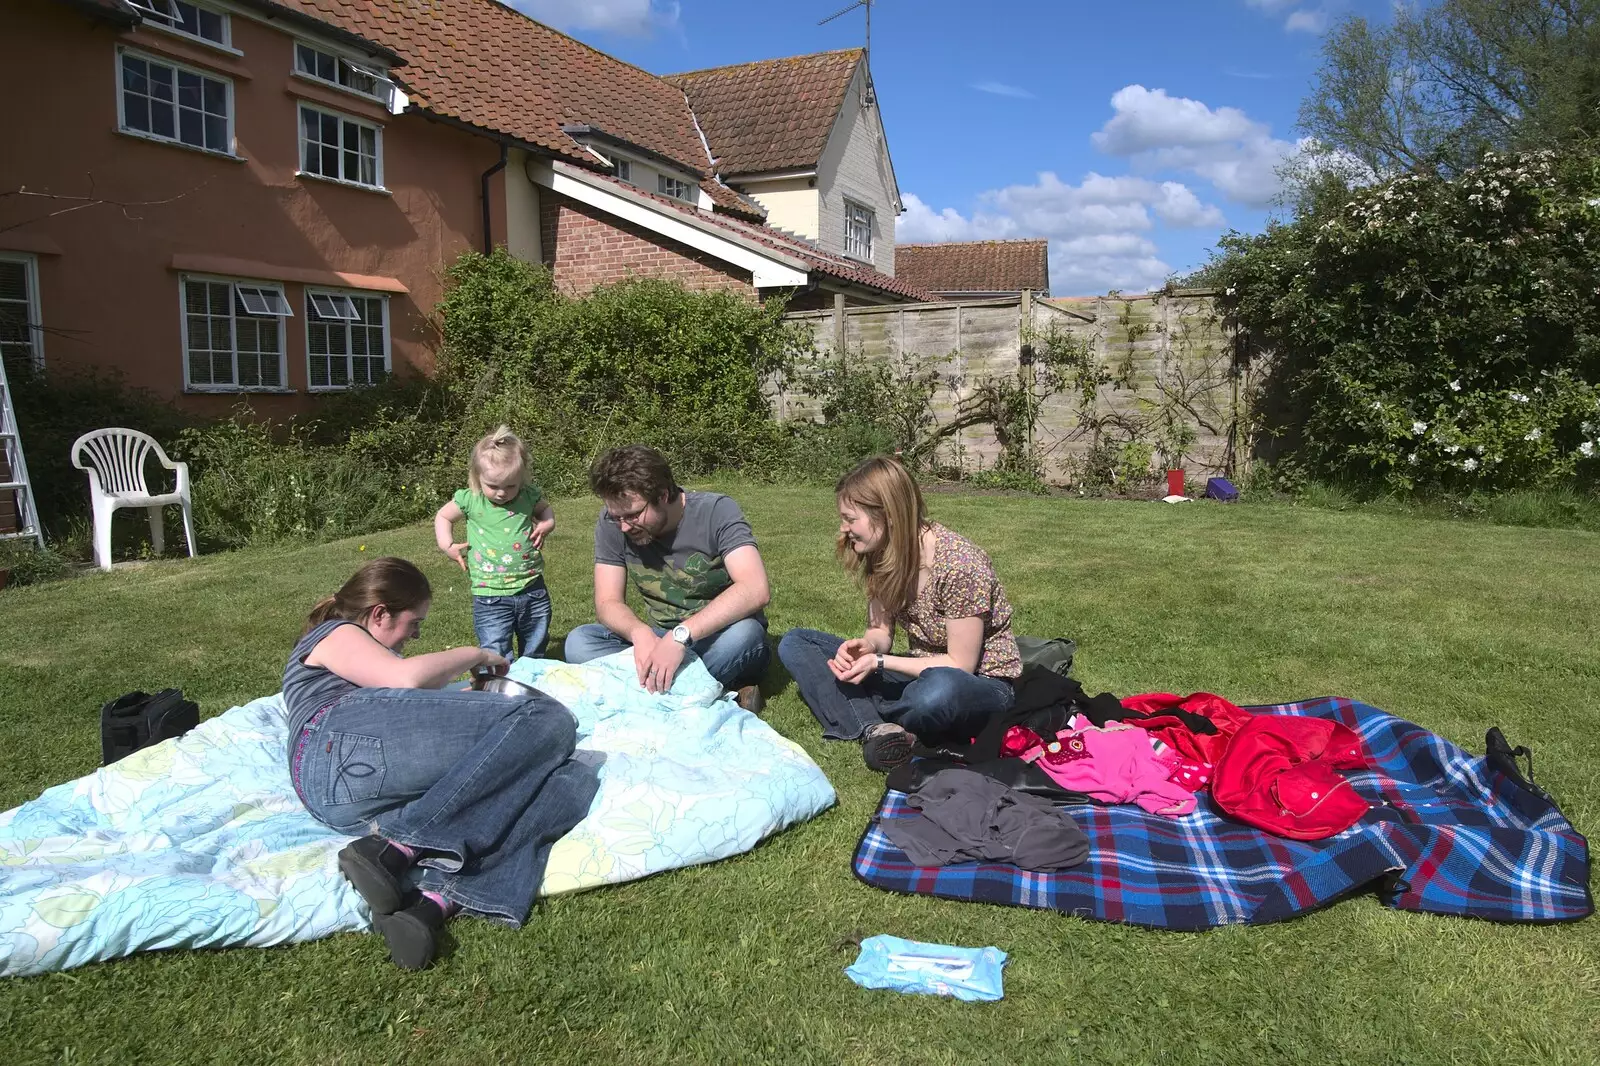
x=1431, y=332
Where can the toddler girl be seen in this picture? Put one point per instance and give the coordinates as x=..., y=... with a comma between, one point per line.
x=507, y=520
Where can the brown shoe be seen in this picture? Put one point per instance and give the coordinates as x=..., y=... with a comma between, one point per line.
x=751, y=699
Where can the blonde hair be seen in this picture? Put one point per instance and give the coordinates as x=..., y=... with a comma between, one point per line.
x=887, y=492
x=499, y=450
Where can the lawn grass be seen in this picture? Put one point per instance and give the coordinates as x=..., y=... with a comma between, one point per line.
x=1458, y=626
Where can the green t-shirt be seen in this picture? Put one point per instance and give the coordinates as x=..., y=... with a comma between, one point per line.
x=501, y=558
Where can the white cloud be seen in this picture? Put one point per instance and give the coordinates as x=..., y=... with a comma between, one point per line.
x=614, y=16
x=1148, y=119
x=1308, y=21
x=1299, y=20
x=996, y=88
x=1179, y=207
x=922, y=223
x=1098, y=229
x=1155, y=131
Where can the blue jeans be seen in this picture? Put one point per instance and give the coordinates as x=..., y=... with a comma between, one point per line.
x=736, y=656
x=481, y=784
x=941, y=704
x=525, y=614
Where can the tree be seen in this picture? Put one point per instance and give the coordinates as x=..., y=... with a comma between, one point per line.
x=1442, y=84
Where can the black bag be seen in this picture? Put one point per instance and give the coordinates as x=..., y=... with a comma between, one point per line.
x=1052, y=653
x=139, y=720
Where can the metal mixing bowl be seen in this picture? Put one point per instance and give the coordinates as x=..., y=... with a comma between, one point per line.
x=504, y=686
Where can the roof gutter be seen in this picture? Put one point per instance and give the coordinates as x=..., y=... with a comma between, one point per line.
x=488, y=237
x=579, y=130
x=125, y=17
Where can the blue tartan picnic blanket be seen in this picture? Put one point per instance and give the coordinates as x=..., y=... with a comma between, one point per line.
x=1448, y=833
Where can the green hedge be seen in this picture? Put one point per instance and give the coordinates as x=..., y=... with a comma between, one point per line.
x=1433, y=333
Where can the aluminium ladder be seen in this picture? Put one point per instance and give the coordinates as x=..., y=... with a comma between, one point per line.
x=16, y=468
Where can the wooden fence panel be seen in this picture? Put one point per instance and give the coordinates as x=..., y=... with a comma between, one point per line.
x=1169, y=348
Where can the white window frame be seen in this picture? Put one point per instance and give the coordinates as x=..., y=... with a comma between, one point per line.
x=302, y=106
x=867, y=216
x=667, y=185
x=383, y=94
x=167, y=21
x=234, y=285
x=35, y=321
x=149, y=135
x=311, y=295
x=625, y=170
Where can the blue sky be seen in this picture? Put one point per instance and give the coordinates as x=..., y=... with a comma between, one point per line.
x=1131, y=135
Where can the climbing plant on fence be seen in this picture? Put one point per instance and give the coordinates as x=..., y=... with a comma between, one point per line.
x=1433, y=333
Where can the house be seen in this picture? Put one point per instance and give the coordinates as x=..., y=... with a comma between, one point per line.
x=260, y=201
x=803, y=137
x=976, y=270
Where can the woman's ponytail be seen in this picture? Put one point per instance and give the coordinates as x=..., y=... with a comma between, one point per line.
x=392, y=583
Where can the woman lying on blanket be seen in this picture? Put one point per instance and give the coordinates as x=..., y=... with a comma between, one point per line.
x=471, y=787
x=943, y=590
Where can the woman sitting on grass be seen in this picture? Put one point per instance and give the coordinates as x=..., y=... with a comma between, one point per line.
x=943, y=590
x=472, y=787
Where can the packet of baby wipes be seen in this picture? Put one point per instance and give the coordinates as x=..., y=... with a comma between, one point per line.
x=970, y=974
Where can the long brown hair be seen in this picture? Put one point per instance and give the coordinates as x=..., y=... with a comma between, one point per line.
x=392, y=583
x=887, y=492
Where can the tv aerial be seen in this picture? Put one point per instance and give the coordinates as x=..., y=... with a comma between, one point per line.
x=868, y=98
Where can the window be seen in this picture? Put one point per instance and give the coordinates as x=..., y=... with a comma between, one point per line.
x=334, y=69
x=20, y=330
x=333, y=146
x=857, y=230
x=678, y=190
x=183, y=17
x=624, y=170
x=173, y=103
x=347, y=339
x=233, y=334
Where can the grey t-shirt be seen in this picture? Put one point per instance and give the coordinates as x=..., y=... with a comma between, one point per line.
x=683, y=572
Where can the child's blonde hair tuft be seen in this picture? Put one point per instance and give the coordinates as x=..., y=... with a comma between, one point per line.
x=498, y=450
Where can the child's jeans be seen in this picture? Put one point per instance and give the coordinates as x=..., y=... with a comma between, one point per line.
x=525, y=614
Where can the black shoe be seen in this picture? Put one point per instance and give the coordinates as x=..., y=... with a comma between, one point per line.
x=374, y=867
x=887, y=746
x=412, y=934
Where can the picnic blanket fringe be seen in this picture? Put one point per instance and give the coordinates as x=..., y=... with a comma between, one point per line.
x=1448, y=833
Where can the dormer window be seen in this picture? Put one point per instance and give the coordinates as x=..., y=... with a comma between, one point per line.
x=624, y=170
x=191, y=20
x=313, y=62
x=678, y=190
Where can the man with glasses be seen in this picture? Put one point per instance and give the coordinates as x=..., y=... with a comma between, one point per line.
x=694, y=562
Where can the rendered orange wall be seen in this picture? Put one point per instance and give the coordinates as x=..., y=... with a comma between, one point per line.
x=109, y=297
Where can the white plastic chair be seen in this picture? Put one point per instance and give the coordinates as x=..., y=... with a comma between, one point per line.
x=115, y=464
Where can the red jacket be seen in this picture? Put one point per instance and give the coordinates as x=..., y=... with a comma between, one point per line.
x=1201, y=747
x=1280, y=773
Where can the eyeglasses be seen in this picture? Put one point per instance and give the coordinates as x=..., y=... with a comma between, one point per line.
x=629, y=519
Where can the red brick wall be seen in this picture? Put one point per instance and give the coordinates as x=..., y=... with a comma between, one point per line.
x=585, y=249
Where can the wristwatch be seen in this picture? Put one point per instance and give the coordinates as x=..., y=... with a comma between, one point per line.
x=681, y=634
x=880, y=662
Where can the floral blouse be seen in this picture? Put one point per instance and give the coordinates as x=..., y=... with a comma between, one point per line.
x=963, y=585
